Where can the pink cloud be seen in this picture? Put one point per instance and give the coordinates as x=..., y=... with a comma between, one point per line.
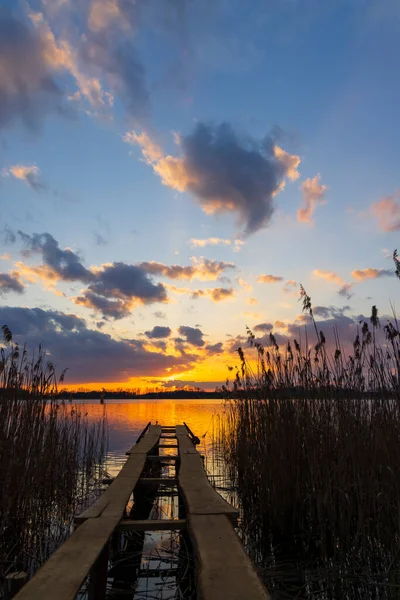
x=387, y=212
x=313, y=195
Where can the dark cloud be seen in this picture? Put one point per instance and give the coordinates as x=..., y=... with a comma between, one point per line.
x=181, y=384
x=65, y=263
x=204, y=268
x=10, y=282
x=89, y=355
x=9, y=235
x=99, y=240
x=263, y=327
x=226, y=173
x=193, y=335
x=160, y=315
x=158, y=332
x=27, y=88
x=127, y=281
x=112, y=290
x=109, y=308
x=215, y=348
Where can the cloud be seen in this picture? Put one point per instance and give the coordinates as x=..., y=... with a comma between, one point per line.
x=89, y=355
x=158, y=332
x=387, y=212
x=113, y=289
x=244, y=284
x=329, y=276
x=9, y=235
x=202, y=268
x=193, y=335
x=28, y=173
x=214, y=241
x=217, y=348
x=224, y=172
x=215, y=294
x=269, y=278
x=160, y=315
x=291, y=162
x=313, y=195
x=263, y=327
x=363, y=274
x=10, y=282
x=332, y=277
x=65, y=264
x=117, y=288
x=99, y=240
x=289, y=286
x=27, y=88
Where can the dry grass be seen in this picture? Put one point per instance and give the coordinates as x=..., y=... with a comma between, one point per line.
x=50, y=459
x=312, y=444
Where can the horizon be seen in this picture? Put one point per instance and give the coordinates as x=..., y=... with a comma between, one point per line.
x=171, y=175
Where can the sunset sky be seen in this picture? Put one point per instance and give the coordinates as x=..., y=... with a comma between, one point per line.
x=171, y=170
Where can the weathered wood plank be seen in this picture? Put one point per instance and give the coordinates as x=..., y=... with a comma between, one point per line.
x=152, y=525
x=149, y=440
x=199, y=496
x=225, y=570
x=114, y=499
x=184, y=442
x=63, y=574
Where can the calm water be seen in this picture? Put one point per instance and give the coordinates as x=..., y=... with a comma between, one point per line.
x=126, y=419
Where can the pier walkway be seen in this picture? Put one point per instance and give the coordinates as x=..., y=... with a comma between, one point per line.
x=163, y=462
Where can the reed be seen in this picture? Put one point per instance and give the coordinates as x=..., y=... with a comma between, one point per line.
x=311, y=441
x=50, y=459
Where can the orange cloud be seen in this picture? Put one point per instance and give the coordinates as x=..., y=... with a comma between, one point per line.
x=289, y=286
x=244, y=284
x=335, y=278
x=103, y=13
x=269, y=278
x=329, y=276
x=28, y=173
x=313, y=195
x=363, y=274
x=215, y=294
x=202, y=268
x=42, y=273
x=290, y=161
x=387, y=212
x=59, y=55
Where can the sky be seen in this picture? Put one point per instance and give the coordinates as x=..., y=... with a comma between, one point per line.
x=171, y=172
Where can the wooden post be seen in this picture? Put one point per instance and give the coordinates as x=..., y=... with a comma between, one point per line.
x=98, y=575
x=14, y=582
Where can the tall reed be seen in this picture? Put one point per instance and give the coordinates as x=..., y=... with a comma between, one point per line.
x=50, y=459
x=311, y=441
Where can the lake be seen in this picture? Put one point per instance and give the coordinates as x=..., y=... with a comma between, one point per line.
x=126, y=419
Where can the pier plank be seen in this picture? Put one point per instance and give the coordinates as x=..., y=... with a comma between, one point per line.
x=63, y=574
x=199, y=496
x=148, y=441
x=225, y=570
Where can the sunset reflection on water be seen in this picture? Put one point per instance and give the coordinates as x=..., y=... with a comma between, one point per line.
x=126, y=419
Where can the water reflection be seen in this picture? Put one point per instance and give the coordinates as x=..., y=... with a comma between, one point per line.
x=128, y=418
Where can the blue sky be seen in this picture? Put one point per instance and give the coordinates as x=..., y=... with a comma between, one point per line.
x=129, y=130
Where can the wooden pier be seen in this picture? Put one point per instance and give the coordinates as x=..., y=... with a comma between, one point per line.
x=223, y=570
